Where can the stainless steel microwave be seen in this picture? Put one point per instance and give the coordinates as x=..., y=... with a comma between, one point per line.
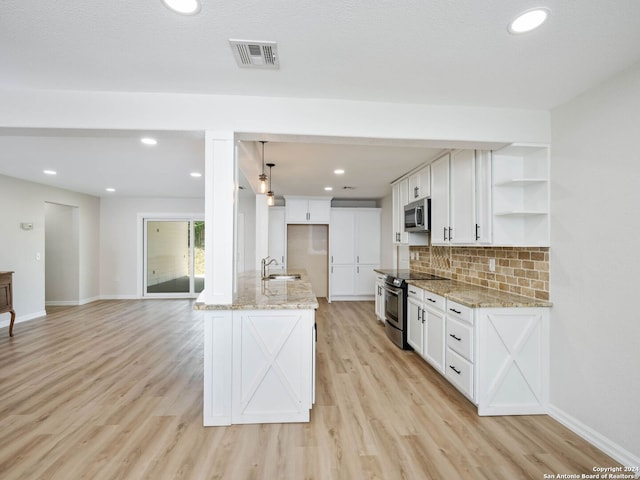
x=417, y=216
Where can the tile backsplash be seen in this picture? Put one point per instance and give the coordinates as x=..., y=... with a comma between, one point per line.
x=519, y=270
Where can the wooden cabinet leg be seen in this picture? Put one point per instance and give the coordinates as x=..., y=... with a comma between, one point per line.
x=13, y=319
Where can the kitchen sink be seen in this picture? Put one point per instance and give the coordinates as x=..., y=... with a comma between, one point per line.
x=284, y=276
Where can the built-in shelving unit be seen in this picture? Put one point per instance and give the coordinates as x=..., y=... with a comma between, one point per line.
x=521, y=195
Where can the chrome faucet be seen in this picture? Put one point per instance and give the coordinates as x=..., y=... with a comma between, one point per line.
x=265, y=265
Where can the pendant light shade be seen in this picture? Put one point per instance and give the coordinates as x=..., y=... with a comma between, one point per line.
x=271, y=198
x=262, y=177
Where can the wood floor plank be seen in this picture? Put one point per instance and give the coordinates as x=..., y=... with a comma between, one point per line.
x=113, y=390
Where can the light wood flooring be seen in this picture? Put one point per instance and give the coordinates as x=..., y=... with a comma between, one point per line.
x=113, y=389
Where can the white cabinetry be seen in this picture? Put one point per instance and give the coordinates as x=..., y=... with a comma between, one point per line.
x=420, y=183
x=259, y=366
x=521, y=195
x=380, y=296
x=440, y=201
x=425, y=325
x=461, y=198
x=497, y=357
x=400, y=197
x=277, y=247
x=307, y=209
x=354, y=244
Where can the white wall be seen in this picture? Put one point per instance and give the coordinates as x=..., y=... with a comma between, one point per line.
x=121, y=239
x=25, y=202
x=595, y=209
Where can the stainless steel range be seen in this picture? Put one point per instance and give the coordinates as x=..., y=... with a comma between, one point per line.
x=395, y=303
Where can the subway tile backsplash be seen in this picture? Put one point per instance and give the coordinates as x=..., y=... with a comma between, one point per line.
x=519, y=270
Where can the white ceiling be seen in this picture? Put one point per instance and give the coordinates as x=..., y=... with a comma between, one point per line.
x=416, y=51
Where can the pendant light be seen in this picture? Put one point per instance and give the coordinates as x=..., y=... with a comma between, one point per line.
x=262, y=177
x=271, y=199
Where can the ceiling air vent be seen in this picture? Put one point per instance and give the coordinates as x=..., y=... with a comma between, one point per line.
x=255, y=54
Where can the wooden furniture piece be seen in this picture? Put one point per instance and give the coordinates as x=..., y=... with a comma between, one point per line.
x=6, y=297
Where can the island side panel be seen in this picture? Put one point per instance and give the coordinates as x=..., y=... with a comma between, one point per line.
x=273, y=365
x=218, y=333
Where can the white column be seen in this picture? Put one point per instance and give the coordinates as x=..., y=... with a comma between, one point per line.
x=262, y=229
x=219, y=212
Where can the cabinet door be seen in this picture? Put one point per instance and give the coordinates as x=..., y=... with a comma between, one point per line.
x=424, y=181
x=365, y=279
x=414, y=186
x=462, y=197
x=342, y=234
x=440, y=201
x=319, y=211
x=379, y=297
x=343, y=280
x=367, y=237
x=483, y=197
x=297, y=209
x=277, y=236
x=435, y=340
x=414, y=325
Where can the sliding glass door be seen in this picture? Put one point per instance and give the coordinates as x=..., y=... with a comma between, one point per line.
x=173, y=257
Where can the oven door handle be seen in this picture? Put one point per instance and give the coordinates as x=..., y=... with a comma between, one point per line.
x=395, y=292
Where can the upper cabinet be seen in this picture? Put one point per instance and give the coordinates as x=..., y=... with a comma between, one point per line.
x=400, y=197
x=307, y=209
x=420, y=183
x=461, y=198
x=521, y=195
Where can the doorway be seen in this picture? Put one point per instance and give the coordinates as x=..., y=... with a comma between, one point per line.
x=61, y=255
x=173, y=257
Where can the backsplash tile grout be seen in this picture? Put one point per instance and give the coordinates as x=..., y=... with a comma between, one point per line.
x=519, y=270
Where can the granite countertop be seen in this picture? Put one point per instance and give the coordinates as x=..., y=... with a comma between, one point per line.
x=475, y=296
x=256, y=294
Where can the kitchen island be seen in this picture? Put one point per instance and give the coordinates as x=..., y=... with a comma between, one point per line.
x=259, y=352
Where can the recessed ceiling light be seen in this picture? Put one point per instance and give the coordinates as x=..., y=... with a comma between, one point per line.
x=185, y=7
x=328, y=189
x=149, y=141
x=49, y=172
x=195, y=174
x=109, y=189
x=338, y=171
x=529, y=20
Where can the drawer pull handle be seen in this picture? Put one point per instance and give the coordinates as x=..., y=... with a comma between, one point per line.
x=455, y=369
x=431, y=300
x=454, y=337
x=455, y=311
x=412, y=291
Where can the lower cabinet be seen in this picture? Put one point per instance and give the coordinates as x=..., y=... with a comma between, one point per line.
x=379, y=300
x=352, y=282
x=425, y=325
x=259, y=366
x=497, y=357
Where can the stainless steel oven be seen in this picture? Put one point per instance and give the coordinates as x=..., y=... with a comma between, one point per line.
x=395, y=303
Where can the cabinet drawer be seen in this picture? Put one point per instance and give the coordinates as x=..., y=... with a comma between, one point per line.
x=433, y=300
x=459, y=372
x=460, y=338
x=415, y=292
x=459, y=311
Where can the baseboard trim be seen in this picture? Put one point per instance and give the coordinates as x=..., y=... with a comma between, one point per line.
x=118, y=297
x=23, y=318
x=598, y=440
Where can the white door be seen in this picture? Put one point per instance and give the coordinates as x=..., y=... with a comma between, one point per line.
x=367, y=237
x=342, y=233
x=414, y=325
